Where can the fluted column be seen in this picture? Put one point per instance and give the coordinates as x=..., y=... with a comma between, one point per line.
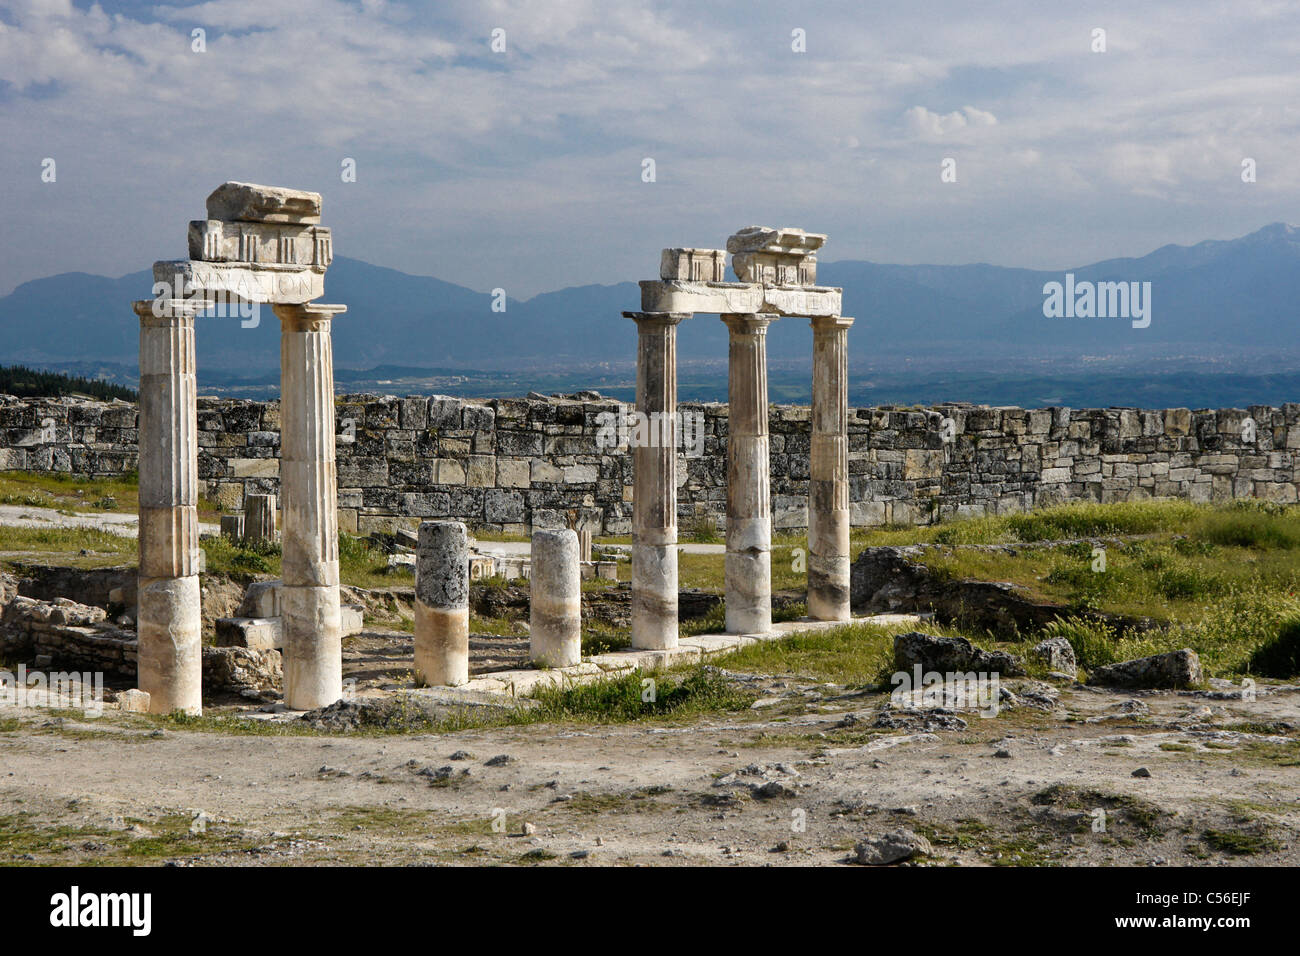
x=168, y=623
x=309, y=596
x=828, y=487
x=749, y=508
x=654, y=482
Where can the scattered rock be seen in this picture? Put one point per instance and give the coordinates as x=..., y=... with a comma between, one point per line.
x=1172, y=670
x=405, y=711
x=1141, y=772
x=237, y=669
x=893, y=847
x=133, y=701
x=500, y=760
x=951, y=655
x=925, y=720
x=1057, y=655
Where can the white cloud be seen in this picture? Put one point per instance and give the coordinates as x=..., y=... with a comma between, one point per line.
x=461, y=150
x=924, y=123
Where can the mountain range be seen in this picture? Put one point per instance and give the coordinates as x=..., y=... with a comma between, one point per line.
x=1206, y=298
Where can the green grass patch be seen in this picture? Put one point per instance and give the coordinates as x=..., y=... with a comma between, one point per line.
x=854, y=655
x=693, y=692
x=102, y=548
x=1239, y=843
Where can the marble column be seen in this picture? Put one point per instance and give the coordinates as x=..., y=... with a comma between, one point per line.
x=654, y=482
x=555, y=600
x=442, y=604
x=828, y=487
x=168, y=623
x=748, y=575
x=309, y=596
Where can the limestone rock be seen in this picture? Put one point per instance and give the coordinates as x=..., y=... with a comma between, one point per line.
x=254, y=633
x=262, y=599
x=250, y=202
x=1057, y=655
x=951, y=654
x=1174, y=669
x=133, y=701
x=893, y=847
x=240, y=668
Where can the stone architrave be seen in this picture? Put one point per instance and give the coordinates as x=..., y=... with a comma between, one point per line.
x=213, y=240
x=264, y=283
x=654, y=478
x=748, y=572
x=442, y=604
x=828, y=487
x=555, y=600
x=660, y=295
x=169, y=623
x=309, y=597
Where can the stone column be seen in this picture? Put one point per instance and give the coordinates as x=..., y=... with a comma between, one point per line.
x=169, y=627
x=654, y=482
x=555, y=600
x=259, y=518
x=442, y=604
x=828, y=487
x=748, y=575
x=309, y=596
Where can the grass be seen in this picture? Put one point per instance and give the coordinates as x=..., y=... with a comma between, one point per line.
x=23, y=840
x=79, y=494
x=854, y=655
x=360, y=564
x=1250, y=631
x=101, y=547
x=1240, y=844
x=683, y=694
x=1148, y=818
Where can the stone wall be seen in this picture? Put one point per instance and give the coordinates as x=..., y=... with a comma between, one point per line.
x=511, y=464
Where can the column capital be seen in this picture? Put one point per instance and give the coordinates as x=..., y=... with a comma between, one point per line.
x=306, y=316
x=163, y=311
x=652, y=320
x=748, y=323
x=830, y=323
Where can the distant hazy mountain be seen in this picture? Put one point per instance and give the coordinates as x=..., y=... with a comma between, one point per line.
x=1215, y=293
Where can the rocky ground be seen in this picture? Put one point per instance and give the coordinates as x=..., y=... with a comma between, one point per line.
x=1066, y=774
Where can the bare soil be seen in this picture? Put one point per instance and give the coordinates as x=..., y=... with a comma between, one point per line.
x=797, y=780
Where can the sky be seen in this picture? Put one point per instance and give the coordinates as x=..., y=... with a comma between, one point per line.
x=525, y=168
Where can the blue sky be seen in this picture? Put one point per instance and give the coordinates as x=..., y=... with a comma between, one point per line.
x=522, y=169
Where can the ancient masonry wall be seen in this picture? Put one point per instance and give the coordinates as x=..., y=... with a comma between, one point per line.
x=514, y=464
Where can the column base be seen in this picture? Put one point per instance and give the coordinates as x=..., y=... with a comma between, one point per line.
x=749, y=591
x=441, y=645
x=654, y=597
x=828, y=588
x=313, y=646
x=169, y=627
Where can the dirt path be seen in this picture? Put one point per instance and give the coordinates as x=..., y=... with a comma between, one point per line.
x=114, y=522
x=1023, y=787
